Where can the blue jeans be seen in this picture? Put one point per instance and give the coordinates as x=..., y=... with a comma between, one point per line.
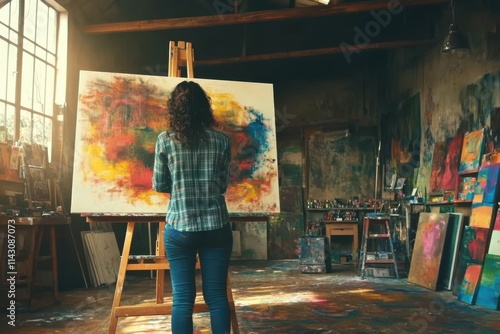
x=214, y=251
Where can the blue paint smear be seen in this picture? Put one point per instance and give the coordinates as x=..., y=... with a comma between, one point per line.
x=257, y=131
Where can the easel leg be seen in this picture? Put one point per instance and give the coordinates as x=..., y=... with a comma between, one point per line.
x=234, y=320
x=121, y=277
x=53, y=253
x=160, y=274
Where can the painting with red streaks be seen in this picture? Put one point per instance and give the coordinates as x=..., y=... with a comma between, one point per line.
x=452, y=162
x=470, y=284
x=119, y=118
x=428, y=249
x=438, y=165
x=472, y=251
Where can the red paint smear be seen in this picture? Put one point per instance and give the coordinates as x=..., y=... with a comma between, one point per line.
x=117, y=144
x=141, y=176
x=477, y=247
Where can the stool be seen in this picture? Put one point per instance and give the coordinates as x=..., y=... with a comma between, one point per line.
x=383, y=234
x=156, y=262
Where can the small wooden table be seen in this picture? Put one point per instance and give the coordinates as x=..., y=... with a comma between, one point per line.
x=344, y=228
x=20, y=260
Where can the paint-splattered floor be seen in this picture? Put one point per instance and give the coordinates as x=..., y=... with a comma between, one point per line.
x=274, y=297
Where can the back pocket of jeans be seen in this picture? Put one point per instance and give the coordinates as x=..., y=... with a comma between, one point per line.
x=176, y=237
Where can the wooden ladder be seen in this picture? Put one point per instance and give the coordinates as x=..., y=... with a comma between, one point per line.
x=380, y=237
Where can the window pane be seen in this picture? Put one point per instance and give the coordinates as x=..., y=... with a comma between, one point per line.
x=41, y=24
x=52, y=31
x=39, y=87
x=30, y=19
x=13, y=37
x=12, y=74
x=29, y=46
x=2, y=114
x=11, y=111
x=25, y=127
x=47, y=135
x=27, y=81
x=38, y=129
x=40, y=53
x=4, y=73
x=50, y=91
x=9, y=14
x=51, y=59
x=4, y=31
x=14, y=14
x=5, y=14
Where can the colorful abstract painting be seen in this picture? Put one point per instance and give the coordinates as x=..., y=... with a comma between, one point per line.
x=428, y=249
x=472, y=146
x=472, y=251
x=494, y=248
x=119, y=118
x=468, y=289
x=488, y=294
x=438, y=165
x=487, y=184
x=452, y=161
x=482, y=215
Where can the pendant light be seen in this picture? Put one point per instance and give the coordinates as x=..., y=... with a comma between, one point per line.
x=454, y=41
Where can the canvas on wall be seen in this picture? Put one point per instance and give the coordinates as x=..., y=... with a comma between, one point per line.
x=452, y=162
x=472, y=146
x=119, y=119
x=438, y=165
x=487, y=184
x=482, y=215
x=428, y=249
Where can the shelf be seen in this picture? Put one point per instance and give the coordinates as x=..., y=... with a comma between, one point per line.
x=376, y=236
x=457, y=203
x=469, y=172
x=379, y=261
x=341, y=221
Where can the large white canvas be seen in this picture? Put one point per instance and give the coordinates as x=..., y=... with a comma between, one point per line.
x=119, y=117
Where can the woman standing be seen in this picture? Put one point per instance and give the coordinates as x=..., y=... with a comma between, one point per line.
x=192, y=164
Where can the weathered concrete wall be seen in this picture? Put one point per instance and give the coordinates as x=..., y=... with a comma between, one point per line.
x=458, y=92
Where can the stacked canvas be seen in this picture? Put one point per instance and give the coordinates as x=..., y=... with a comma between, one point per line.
x=103, y=257
x=488, y=294
x=476, y=236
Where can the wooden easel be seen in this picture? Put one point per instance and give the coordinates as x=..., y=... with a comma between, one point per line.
x=179, y=55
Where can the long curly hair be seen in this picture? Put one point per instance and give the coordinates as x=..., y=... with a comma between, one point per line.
x=190, y=113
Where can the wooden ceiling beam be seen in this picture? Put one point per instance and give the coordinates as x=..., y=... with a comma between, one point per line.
x=349, y=51
x=254, y=17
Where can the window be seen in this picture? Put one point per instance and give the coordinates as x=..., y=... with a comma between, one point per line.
x=31, y=50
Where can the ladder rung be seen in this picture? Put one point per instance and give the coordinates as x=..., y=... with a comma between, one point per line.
x=379, y=235
x=380, y=261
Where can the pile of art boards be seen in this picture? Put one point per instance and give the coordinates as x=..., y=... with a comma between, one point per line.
x=102, y=255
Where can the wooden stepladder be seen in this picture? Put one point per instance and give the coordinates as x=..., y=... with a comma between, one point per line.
x=179, y=55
